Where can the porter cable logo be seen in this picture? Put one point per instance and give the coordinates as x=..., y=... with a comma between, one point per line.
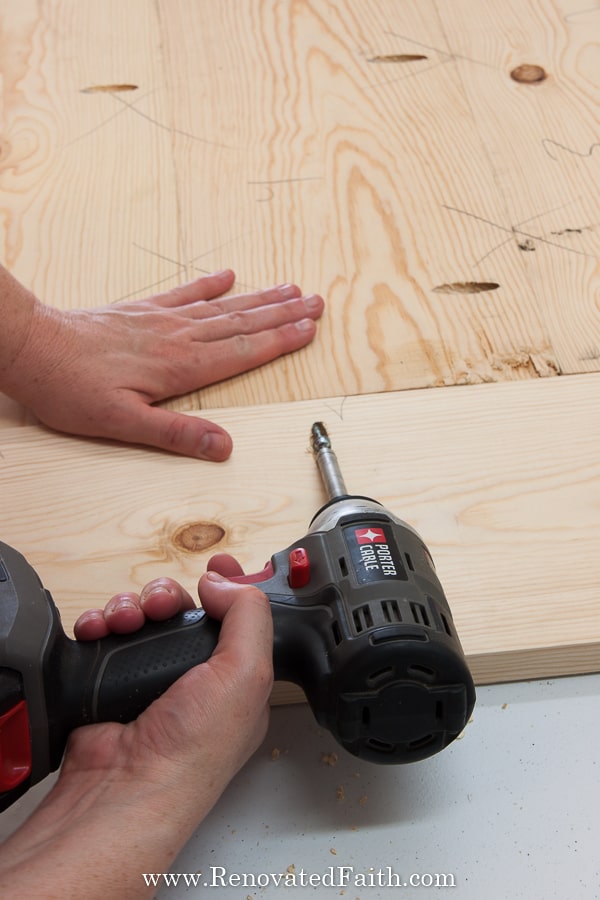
x=374, y=554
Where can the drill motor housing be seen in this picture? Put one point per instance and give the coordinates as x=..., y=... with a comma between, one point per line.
x=373, y=643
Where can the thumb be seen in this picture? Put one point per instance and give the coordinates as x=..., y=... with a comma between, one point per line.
x=176, y=432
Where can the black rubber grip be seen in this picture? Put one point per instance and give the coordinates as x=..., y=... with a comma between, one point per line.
x=116, y=678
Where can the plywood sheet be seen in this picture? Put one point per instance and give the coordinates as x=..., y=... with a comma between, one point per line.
x=377, y=152
x=502, y=481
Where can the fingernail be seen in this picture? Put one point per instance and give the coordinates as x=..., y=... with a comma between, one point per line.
x=123, y=603
x=288, y=290
x=159, y=589
x=305, y=325
x=313, y=302
x=214, y=576
x=214, y=445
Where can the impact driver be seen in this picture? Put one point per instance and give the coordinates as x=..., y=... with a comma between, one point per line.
x=361, y=624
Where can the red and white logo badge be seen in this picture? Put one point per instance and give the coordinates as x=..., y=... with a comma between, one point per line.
x=370, y=536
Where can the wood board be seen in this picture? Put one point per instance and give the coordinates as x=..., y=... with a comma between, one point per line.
x=380, y=153
x=502, y=482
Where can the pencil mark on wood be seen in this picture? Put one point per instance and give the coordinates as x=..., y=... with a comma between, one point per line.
x=149, y=287
x=148, y=118
x=446, y=58
x=338, y=412
x=524, y=222
x=574, y=230
x=158, y=255
x=268, y=184
x=198, y=536
x=513, y=230
x=118, y=112
x=571, y=150
x=528, y=74
x=466, y=287
x=181, y=267
x=115, y=91
x=526, y=245
x=447, y=53
x=108, y=88
x=398, y=58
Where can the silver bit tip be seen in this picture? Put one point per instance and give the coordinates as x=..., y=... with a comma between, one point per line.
x=327, y=462
x=319, y=437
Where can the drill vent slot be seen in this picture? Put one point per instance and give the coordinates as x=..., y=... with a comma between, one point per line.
x=420, y=614
x=391, y=611
x=343, y=566
x=395, y=638
x=363, y=618
x=421, y=742
x=337, y=634
x=446, y=625
x=422, y=673
x=377, y=678
x=380, y=746
x=409, y=562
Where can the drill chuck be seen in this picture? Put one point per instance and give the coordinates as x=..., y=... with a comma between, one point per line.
x=327, y=463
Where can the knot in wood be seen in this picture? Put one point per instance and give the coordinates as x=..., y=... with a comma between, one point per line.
x=198, y=536
x=528, y=74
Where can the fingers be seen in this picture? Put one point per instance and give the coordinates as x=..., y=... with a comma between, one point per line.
x=253, y=300
x=244, y=352
x=205, y=288
x=226, y=697
x=91, y=626
x=121, y=615
x=126, y=612
x=255, y=319
x=263, y=309
x=225, y=565
x=140, y=423
x=246, y=640
x=163, y=598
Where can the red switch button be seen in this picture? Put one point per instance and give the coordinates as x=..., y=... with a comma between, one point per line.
x=299, y=568
x=15, y=747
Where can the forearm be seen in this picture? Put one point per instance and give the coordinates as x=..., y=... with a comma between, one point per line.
x=94, y=838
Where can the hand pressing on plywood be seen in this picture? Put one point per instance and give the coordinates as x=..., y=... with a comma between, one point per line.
x=99, y=372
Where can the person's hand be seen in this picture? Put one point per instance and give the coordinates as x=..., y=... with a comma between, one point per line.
x=158, y=600
x=129, y=796
x=99, y=372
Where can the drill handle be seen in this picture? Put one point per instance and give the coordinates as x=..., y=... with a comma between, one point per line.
x=110, y=680
x=116, y=678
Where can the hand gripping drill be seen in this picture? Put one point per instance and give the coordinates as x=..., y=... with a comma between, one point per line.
x=361, y=624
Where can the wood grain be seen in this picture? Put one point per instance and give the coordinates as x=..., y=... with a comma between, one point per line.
x=273, y=138
x=384, y=155
x=502, y=481
x=86, y=175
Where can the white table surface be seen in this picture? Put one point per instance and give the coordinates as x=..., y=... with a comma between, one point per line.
x=509, y=811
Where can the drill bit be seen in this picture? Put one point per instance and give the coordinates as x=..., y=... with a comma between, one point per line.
x=327, y=463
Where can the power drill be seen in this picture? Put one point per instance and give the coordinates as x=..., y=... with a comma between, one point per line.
x=361, y=624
